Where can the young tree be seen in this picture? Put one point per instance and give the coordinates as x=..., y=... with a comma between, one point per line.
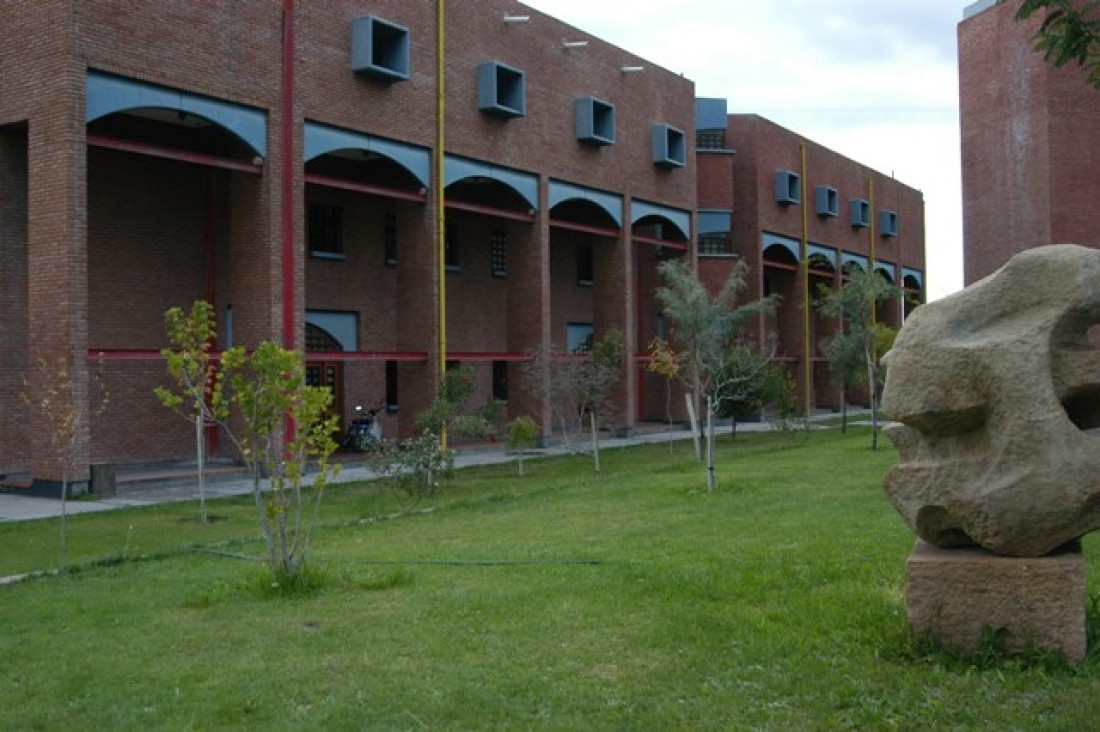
x=855, y=303
x=522, y=435
x=847, y=369
x=276, y=424
x=578, y=387
x=715, y=337
x=68, y=419
x=1070, y=33
x=747, y=383
x=191, y=363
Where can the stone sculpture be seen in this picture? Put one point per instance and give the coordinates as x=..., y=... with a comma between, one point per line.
x=997, y=392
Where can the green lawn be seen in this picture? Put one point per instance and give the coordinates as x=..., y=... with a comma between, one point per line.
x=561, y=600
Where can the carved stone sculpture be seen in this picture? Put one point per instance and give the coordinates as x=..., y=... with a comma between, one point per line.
x=997, y=392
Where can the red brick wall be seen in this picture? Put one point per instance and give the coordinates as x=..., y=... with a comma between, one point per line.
x=125, y=237
x=1030, y=144
x=763, y=148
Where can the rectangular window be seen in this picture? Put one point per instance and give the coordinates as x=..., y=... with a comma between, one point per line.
x=501, y=90
x=500, y=381
x=325, y=230
x=860, y=211
x=578, y=338
x=826, y=201
x=710, y=139
x=498, y=254
x=379, y=49
x=389, y=239
x=713, y=244
x=451, y=258
x=391, y=386
x=788, y=187
x=585, y=269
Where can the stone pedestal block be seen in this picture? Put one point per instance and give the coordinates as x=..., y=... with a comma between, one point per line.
x=953, y=595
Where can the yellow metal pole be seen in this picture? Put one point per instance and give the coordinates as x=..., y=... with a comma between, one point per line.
x=440, y=199
x=807, y=364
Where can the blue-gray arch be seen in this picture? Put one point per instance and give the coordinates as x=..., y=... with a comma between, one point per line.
x=612, y=204
x=107, y=94
x=914, y=274
x=827, y=252
x=456, y=169
x=679, y=219
x=791, y=245
x=887, y=268
x=321, y=139
x=859, y=260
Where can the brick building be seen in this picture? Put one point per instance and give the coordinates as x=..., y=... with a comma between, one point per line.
x=1030, y=143
x=281, y=161
x=801, y=215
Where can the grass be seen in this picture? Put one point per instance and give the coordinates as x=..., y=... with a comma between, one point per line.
x=562, y=600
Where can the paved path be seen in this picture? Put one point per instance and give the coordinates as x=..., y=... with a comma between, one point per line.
x=24, y=508
x=14, y=507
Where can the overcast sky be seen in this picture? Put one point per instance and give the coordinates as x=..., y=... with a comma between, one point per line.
x=875, y=80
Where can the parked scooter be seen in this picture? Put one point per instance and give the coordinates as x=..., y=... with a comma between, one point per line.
x=365, y=431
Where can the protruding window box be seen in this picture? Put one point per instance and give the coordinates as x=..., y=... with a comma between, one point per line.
x=888, y=223
x=595, y=121
x=860, y=211
x=379, y=49
x=788, y=187
x=669, y=149
x=501, y=90
x=826, y=201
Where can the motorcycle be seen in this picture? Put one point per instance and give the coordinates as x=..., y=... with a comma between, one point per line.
x=364, y=432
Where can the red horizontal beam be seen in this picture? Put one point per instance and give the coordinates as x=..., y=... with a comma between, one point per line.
x=125, y=354
x=366, y=356
x=500, y=213
x=585, y=228
x=151, y=354
x=682, y=246
x=420, y=196
x=487, y=356
x=171, y=153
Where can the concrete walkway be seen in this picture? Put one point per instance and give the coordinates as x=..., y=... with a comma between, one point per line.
x=14, y=507
x=149, y=491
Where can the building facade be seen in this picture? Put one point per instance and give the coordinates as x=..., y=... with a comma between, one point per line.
x=801, y=216
x=292, y=164
x=1030, y=142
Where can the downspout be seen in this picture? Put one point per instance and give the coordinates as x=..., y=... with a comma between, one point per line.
x=210, y=255
x=440, y=199
x=288, y=161
x=807, y=364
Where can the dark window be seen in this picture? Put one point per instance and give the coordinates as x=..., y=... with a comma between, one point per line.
x=451, y=258
x=325, y=229
x=710, y=139
x=498, y=253
x=585, y=265
x=391, y=386
x=389, y=239
x=713, y=244
x=578, y=337
x=500, y=381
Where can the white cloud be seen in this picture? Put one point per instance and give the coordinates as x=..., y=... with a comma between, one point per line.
x=875, y=80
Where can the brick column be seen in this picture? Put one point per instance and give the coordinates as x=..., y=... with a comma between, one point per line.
x=616, y=308
x=529, y=305
x=57, y=294
x=417, y=311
